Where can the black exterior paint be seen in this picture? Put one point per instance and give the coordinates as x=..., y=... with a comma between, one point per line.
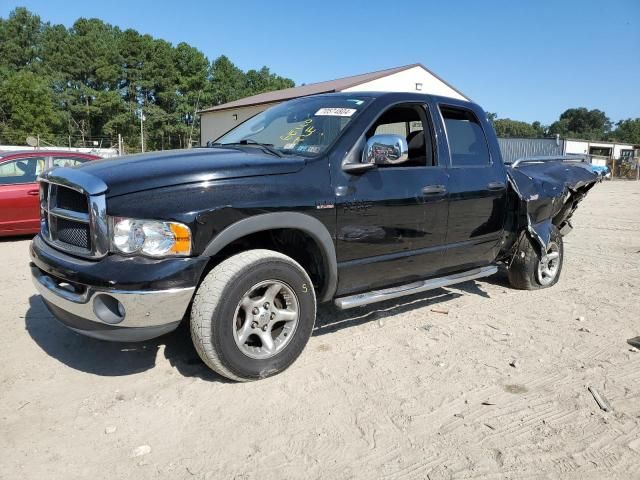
x=403, y=234
x=385, y=229
x=548, y=195
x=179, y=167
x=117, y=271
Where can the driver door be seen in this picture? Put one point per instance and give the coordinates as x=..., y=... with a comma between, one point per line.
x=392, y=219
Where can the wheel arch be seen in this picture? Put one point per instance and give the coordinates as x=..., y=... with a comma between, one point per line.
x=284, y=220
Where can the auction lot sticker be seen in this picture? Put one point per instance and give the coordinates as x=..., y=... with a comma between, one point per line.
x=335, y=112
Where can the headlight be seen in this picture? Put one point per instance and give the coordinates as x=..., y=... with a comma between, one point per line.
x=150, y=237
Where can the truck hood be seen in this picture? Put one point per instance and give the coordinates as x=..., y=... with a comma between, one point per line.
x=549, y=193
x=134, y=173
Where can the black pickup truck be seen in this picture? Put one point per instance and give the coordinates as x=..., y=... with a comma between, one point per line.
x=352, y=198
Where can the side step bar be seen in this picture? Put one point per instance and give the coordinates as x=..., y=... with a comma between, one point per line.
x=360, y=299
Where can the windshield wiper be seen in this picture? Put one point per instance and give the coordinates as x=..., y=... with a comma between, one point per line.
x=222, y=145
x=267, y=146
x=250, y=141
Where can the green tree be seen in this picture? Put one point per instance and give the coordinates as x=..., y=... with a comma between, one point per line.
x=94, y=80
x=137, y=91
x=157, y=87
x=19, y=39
x=84, y=66
x=540, y=129
x=627, y=131
x=192, y=78
x=26, y=108
x=582, y=123
x=227, y=81
x=260, y=81
x=505, y=127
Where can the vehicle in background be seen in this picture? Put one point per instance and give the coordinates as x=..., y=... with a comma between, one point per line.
x=19, y=191
x=602, y=171
x=598, y=165
x=595, y=165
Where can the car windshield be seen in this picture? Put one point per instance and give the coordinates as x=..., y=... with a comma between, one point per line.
x=307, y=126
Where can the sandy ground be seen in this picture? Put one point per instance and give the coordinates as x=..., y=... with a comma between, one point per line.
x=391, y=391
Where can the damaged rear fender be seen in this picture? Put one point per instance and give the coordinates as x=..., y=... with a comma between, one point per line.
x=548, y=193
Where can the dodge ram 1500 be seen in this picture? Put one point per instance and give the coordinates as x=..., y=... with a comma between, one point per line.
x=352, y=198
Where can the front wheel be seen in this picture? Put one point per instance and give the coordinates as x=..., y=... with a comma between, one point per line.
x=253, y=315
x=531, y=271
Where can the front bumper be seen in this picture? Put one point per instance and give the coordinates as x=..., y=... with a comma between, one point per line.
x=115, y=315
x=109, y=309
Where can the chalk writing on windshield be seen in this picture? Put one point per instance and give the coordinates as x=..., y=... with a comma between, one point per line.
x=299, y=133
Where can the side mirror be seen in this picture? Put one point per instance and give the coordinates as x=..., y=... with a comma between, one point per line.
x=379, y=150
x=386, y=150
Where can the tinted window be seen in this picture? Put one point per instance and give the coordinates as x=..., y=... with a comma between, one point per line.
x=467, y=142
x=21, y=171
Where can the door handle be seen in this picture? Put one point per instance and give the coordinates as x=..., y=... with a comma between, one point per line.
x=33, y=193
x=495, y=186
x=434, y=190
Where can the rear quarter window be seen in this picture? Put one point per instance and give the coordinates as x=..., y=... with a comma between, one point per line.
x=467, y=142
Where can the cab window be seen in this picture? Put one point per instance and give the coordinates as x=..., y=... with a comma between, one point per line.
x=409, y=121
x=18, y=171
x=467, y=143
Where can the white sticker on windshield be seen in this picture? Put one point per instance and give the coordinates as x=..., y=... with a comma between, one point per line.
x=335, y=112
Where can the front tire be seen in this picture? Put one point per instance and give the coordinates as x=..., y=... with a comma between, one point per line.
x=253, y=315
x=530, y=271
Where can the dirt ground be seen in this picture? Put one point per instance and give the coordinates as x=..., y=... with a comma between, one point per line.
x=395, y=391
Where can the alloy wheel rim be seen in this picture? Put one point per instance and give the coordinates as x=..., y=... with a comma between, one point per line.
x=549, y=265
x=265, y=319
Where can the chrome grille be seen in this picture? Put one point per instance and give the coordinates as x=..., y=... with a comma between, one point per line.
x=68, y=199
x=71, y=219
x=73, y=233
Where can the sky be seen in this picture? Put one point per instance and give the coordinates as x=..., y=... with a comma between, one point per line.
x=526, y=60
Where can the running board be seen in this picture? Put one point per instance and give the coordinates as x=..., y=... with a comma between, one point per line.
x=374, y=296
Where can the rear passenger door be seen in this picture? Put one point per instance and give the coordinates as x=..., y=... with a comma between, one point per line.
x=477, y=191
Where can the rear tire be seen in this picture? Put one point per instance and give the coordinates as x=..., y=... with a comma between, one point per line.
x=530, y=272
x=253, y=315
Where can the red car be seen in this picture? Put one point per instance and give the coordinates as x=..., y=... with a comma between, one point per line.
x=19, y=193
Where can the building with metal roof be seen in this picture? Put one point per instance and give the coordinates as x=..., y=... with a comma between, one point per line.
x=218, y=119
x=599, y=152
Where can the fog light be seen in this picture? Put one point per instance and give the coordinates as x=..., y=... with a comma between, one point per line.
x=108, y=309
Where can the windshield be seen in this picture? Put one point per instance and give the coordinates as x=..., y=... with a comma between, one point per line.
x=307, y=126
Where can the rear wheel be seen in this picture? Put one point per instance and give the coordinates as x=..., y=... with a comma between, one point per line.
x=530, y=271
x=253, y=315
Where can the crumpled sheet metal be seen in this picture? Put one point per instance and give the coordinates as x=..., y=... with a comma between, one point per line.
x=549, y=192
